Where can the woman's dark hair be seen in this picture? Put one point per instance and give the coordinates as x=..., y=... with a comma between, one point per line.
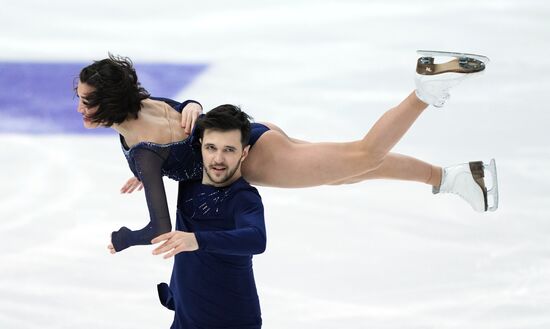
x=118, y=92
x=224, y=118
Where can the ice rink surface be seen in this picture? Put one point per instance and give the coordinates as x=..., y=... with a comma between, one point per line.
x=379, y=254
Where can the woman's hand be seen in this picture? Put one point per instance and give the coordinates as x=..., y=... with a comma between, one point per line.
x=189, y=116
x=111, y=248
x=175, y=242
x=131, y=185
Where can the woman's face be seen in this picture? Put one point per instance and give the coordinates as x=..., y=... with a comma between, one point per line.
x=82, y=91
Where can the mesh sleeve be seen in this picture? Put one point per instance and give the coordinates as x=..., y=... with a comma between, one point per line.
x=148, y=167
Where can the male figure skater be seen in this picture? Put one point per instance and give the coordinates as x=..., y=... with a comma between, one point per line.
x=220, y=225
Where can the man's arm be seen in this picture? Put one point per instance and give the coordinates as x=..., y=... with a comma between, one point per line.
x=175, y=242
x=248, y=238
x=131, y=185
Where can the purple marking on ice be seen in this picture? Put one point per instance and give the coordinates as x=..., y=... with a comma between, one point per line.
x=38, y=98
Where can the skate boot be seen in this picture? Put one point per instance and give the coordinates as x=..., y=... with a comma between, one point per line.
x=468, y=181
x=433, y=81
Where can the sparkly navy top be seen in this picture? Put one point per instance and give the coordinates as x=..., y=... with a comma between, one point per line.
x=183, y=160
x=150, y=162
x=214, y=286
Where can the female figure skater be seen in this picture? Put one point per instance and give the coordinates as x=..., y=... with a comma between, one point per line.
x=156, y=140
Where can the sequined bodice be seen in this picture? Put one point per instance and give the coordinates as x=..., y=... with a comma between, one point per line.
x=182, y=160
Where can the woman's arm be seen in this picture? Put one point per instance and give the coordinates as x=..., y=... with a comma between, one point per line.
x=148, y=166
x=189, y=115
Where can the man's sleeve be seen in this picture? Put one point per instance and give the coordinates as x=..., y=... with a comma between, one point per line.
x=248, y=237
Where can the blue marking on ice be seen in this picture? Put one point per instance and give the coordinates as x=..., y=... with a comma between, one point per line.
x=38, y=98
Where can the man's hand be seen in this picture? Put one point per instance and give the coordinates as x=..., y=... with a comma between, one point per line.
x=175, y=242
x=131, y=186
x=189, y=116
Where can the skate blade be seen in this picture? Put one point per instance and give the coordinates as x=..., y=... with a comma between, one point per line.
x=486, y=178
x=461, y=63
x=437, y=53
x=478, y=174
x=492, y=191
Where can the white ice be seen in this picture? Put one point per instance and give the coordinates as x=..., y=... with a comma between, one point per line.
x=379, y=254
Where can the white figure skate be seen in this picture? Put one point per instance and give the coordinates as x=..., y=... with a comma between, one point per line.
x=433, y=81
x=468, y=181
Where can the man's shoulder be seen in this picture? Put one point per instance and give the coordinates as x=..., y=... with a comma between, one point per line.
x=245, y=198
x=244, y=195
x=242, y=186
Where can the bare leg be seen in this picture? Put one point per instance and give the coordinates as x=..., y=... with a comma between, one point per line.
x=275, y=160
x=395, y=166
x=400, y=167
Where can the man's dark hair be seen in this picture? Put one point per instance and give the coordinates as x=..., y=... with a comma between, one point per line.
x=117, y=90
x=224, y=118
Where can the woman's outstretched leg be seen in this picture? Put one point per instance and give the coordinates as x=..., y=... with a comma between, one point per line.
x=400, y=167
x=279, y=161
x=276, y=160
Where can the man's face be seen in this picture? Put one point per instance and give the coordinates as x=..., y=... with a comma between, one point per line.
x=222, y=155
x=82, y=91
